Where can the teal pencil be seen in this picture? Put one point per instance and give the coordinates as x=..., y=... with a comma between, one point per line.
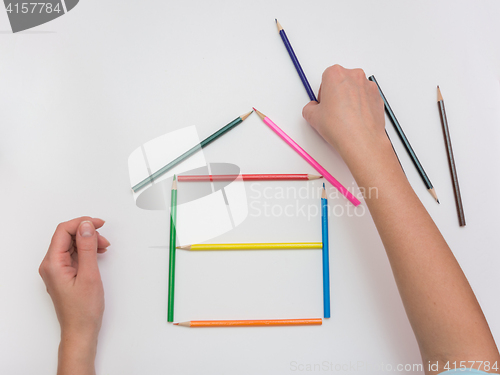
x=189, y=152
x=173, y=237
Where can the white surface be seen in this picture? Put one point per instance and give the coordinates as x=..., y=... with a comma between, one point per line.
x=77, y=99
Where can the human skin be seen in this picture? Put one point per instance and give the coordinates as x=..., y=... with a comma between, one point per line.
x=73, y=281
x=445, y=316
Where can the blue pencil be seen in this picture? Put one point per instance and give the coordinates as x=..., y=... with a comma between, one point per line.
x=326, y=262
x=295, y=61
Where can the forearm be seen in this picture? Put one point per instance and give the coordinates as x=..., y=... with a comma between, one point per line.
x=77, y=355
x=442, y=309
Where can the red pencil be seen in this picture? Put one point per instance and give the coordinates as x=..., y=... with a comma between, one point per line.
x=247, y=177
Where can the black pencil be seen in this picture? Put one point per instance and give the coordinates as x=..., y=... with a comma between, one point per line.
x=406, y=143
x=451, y=160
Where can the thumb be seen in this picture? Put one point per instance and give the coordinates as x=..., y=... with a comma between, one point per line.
x=86, y=243
x=309, y=112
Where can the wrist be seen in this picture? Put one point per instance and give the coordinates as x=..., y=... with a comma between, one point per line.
x=77, y=352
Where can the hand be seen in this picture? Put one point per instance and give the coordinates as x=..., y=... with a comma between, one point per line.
x=350, y=112
x=73, y=281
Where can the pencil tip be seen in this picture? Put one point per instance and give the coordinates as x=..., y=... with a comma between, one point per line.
x=176, y=324
x=278, y=25
x=244, y=117
x=314, y=177
x=323, y=186
x=433, y=193
x=438, y=201
x=440, y=97
x=261, y=115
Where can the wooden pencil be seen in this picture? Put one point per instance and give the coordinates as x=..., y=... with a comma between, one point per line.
x=190, y=152
x=326, y=249
x=247, y=177
x=406, y=143
x=171, y=263
x=296, y=63
x=451, y=159
x=308, y=158
x=252, y=246
x=250, y=323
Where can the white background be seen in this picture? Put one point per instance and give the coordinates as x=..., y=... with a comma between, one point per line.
x=79, y=94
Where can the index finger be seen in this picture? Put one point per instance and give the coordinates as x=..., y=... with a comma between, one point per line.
x=62, y=238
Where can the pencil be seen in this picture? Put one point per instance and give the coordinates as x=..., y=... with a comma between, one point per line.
x=296, y=63
x=252, y=246
x=326, y=261
x=308, y=158
x=406, y=143
x=248, y=177
x=250, y=323
x=190, y=152
x=451, y=159
x=171, y=264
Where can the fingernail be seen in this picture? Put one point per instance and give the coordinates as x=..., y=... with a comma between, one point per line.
x=87, y=229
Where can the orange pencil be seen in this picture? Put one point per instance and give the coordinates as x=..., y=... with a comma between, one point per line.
x=248, y=323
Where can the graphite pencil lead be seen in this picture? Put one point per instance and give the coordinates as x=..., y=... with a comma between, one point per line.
x=434, y=195
x=244, y=117
x=279, y=26
x=261, y=115
x=440, y=97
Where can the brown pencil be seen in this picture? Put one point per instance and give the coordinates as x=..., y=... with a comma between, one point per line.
x=250, y=323
x=451, y=159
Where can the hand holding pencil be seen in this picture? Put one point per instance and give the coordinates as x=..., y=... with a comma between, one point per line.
x=349, y=115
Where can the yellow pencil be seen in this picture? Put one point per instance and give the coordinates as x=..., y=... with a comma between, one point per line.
x=252, y=246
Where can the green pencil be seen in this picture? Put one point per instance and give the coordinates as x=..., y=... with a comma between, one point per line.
x=171, y=265
x=190, y=152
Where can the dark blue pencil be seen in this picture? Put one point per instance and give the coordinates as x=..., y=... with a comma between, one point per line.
x=295, y=61
x=326, y=261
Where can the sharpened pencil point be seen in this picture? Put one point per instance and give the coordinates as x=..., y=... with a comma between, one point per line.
x=434, y=195
x=174, y=183
x=244, y=117
x=440, y=97
x=438, y=201
x=323, y=193
x=176, y=324
x=314, y=177
x=279, y=26
x=261, y=115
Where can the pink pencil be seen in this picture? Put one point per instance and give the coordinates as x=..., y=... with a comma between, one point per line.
x=308, y=158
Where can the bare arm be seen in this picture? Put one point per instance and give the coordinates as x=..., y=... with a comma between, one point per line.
x=72, y=277
x=441, y=307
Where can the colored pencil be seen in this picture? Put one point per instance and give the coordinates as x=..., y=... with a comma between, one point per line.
x=248, y=177
x=308, y=158
x=451, y=160
x=406, y=143
x=326, y=249
x=252, y=246
x=171, y=265
x=295, y=61
x=190, y=152
x=251, y=323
